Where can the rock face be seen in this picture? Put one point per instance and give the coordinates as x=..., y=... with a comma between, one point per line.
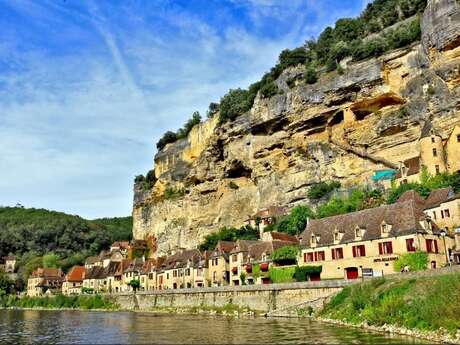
x=345, y=127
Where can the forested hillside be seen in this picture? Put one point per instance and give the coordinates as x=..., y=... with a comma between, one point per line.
x=42, y=237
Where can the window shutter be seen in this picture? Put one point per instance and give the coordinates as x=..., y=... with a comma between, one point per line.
x=390, y=248
x=304, y=257
x=316, y=256
x=428, y=245
x=408, y=245
x=436, y=246
x=380, y=248
x=354, y=252
x=363, y=252
x=333, y=254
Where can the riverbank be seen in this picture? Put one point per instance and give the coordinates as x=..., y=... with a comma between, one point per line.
x=59, y=302
x=423, y=307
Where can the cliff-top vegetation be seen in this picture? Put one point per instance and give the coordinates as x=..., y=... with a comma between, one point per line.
x=370, y=35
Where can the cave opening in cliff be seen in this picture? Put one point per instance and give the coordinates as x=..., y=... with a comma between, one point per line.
x=337, y=118
x=368, y=106
x=238, y=169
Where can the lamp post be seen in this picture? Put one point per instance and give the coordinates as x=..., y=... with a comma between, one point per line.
x=443, y=235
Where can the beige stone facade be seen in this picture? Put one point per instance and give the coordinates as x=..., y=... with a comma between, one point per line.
x=44, y=280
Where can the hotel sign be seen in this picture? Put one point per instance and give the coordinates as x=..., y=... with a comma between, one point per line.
x=385, y=259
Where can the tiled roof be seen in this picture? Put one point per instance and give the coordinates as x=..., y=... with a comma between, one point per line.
x=404, y=218
x=271, y=211
x=10, y=258
x=281, y=236
x=121, y=244
x=136, y=265
x=256, y=250
x=75, y=274
x=242, y=246
x=412, y=195
x=182, y=258
x=113, y=269
x=48, y=273
x=223, y=248
x=439, y=196
x=92, y=260
x=96, y=272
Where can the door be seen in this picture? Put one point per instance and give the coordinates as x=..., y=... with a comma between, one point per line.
x=351, y=272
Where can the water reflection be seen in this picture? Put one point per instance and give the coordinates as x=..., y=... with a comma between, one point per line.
x=73, y=327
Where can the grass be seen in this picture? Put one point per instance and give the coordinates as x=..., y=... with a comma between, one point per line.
x=428, y=303
x=59, y=302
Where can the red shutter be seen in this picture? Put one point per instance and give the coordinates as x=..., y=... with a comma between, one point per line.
x=380, y=248
x=354, y=252
x=363, y=252
x=316, y=256
x=408, y=244
x=333, y=254
x=428, y=245
x=304, y=257
x=436, y=246
x=340, y=253
x=390, y=247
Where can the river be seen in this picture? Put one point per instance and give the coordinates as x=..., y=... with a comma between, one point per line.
x=78, y=327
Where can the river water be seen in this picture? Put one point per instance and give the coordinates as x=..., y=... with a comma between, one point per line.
x=75, y=327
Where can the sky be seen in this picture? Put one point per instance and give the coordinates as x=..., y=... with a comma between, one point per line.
x=87, y=87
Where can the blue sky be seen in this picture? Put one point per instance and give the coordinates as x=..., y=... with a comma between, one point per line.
x=88, y=86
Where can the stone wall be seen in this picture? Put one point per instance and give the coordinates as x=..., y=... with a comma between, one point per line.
x=261, y=298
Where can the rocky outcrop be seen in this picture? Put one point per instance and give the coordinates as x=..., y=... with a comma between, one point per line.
x=344, y=127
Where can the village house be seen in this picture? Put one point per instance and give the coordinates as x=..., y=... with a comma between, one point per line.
x=95, y=280
x=370, y=240
x=178, y=269
x=201, y=271
x=44, y=281
x=121, y=246
x=443, y=206
x=238, y=256
x=73, y=281
x=10, y=264
x=218, y=264
x=93, y=261
x=456, y=251
x=436, y=154
x=266, y=216
x=132, y=272
x=258, y=263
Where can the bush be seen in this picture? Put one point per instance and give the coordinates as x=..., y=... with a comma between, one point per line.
x=285, y=255
x=173, y=193
x=235, y=103
x=310, y=75
x=417, y=261
x=233, y=185
x=229, y=234
x=171, y=137
x=319, y=190
x=167, y=138
x=303, y=273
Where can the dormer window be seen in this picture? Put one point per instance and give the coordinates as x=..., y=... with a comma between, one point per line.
x=357, y=232
x=313, y=239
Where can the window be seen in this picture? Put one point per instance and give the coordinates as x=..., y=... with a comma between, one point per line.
x=385, y=248
x=434, y=215
x=458, y=138
x=336, y=236
x=319, y=256
x=167, y=275
x=214, y=276
x=308, y=257
x=432, y=246
x=313, y=239
x=410, y=245
x=436, y=167
x=187, y=272
x=446, y=213
x=234, y=257
x=442, y=214
x=385, y=228
x=174, y=273
x=337, y=253
x=359, y=251
x=433, y=140
x=435, y=153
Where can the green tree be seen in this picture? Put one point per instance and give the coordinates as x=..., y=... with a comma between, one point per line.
x=135, y=284
x=417, y=261
x=310, y=75
x=286, y=255
x=51, y=260
x=298, y=219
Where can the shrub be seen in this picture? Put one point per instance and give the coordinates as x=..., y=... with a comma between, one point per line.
x=319, y=190
x=233, y=185
x=310, y=75
x=212, y=109
x=229, y=234
x=303, y=273
x=171, y=193
x=285, y=255
x=417, y=261
x=235, y=103
x=167, y=138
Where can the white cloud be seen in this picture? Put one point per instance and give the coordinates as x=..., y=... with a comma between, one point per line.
x=77, y=124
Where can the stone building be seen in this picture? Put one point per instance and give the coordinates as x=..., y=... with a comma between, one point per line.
x=73, y=281
x=437, y=155
x=44, y=281
x=372, y=239
x=95, y=280
x=219, y=265
x=266, y=216
x=10, y=264
x=443, y=206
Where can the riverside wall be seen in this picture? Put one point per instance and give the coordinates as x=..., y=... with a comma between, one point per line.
x=260, y=298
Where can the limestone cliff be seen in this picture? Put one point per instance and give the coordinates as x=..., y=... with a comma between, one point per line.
x=344, y=127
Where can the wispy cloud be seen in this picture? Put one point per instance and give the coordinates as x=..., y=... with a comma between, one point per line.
x=87, y=88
